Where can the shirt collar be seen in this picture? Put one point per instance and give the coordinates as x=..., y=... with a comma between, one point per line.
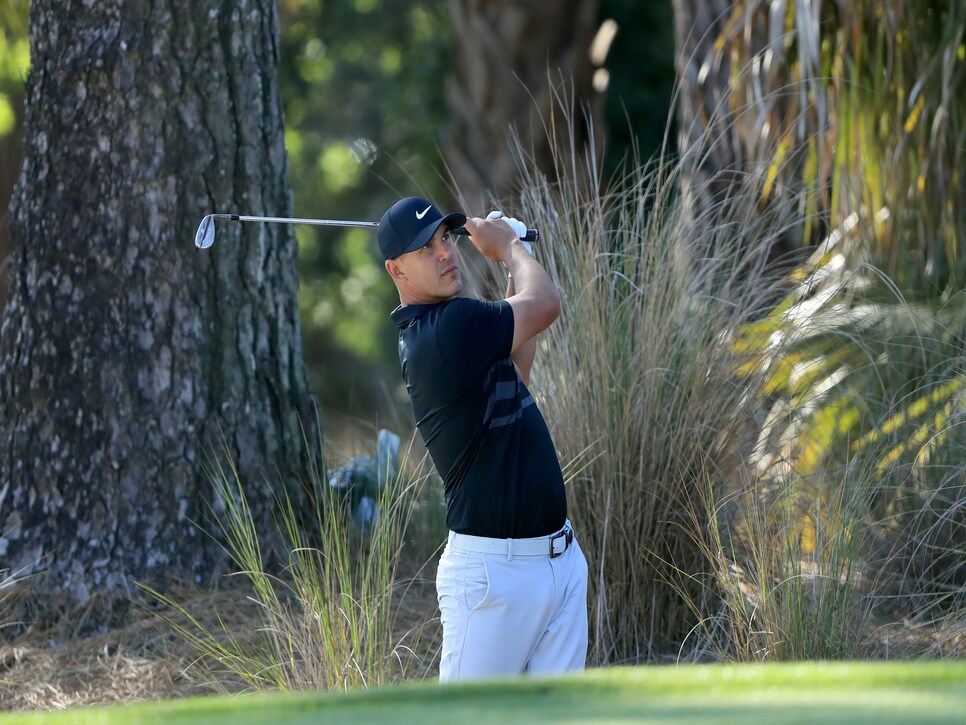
x=405, y=314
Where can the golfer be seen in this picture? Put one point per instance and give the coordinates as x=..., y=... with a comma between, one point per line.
x=512, y=580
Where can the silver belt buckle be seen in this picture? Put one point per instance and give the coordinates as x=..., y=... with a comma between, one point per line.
x=568, y=536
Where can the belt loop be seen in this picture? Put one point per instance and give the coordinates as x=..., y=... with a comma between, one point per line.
x=509, y=549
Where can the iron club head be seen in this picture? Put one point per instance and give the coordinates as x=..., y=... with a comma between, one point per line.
x=206, y=233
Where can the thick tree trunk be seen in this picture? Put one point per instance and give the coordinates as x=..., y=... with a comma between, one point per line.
x=126, y=355
x=510, y=58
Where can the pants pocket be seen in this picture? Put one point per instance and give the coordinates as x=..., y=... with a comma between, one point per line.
x=478, y=585
x=463, y=578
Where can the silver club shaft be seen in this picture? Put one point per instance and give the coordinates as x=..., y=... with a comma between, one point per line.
x=206, y=231
x=205, y=236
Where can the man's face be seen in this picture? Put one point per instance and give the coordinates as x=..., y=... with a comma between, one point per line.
x=430, y=274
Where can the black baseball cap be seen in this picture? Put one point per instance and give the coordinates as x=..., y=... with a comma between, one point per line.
x=410, y=223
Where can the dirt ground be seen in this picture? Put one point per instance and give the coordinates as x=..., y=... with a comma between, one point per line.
x=53, y=657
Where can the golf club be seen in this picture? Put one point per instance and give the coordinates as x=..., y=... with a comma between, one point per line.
x=206, y=231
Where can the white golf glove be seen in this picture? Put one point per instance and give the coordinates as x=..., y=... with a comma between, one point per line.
x=518, y=227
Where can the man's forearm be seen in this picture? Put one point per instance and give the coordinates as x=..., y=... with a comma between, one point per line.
x=529, y=278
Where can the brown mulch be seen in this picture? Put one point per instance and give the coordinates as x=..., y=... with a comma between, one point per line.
x=60, y=659
x=941, y=639
x=55, y=655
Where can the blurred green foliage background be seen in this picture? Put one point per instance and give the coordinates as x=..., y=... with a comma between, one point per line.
x=363, y=101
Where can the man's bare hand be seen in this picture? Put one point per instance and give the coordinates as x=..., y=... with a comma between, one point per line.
x=492, y=237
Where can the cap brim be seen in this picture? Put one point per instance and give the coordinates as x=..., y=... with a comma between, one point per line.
x=426, y=233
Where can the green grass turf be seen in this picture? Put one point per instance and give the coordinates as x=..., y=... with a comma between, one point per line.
x=823, y=693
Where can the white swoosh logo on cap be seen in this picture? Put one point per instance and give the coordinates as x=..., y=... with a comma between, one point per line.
x=423, y=213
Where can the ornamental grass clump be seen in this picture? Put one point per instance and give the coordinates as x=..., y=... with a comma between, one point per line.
x=635, y=379
x=327, y=619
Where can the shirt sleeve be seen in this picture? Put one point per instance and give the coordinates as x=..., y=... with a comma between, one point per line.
x=474, y=334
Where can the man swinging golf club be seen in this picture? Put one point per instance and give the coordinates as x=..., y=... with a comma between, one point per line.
x=512, y=581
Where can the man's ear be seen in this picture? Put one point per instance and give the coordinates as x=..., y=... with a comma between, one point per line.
x=395, y=271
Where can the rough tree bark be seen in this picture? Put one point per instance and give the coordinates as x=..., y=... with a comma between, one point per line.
x=510, y=55
x=126, y=355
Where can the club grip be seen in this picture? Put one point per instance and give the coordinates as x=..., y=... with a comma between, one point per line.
x=532, y=235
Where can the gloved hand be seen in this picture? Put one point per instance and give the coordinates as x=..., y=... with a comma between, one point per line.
x=518, y=227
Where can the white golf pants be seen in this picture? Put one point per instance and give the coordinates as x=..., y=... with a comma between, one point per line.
x=509, y=613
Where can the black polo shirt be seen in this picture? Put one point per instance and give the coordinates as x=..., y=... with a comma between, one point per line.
x=486, y=436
